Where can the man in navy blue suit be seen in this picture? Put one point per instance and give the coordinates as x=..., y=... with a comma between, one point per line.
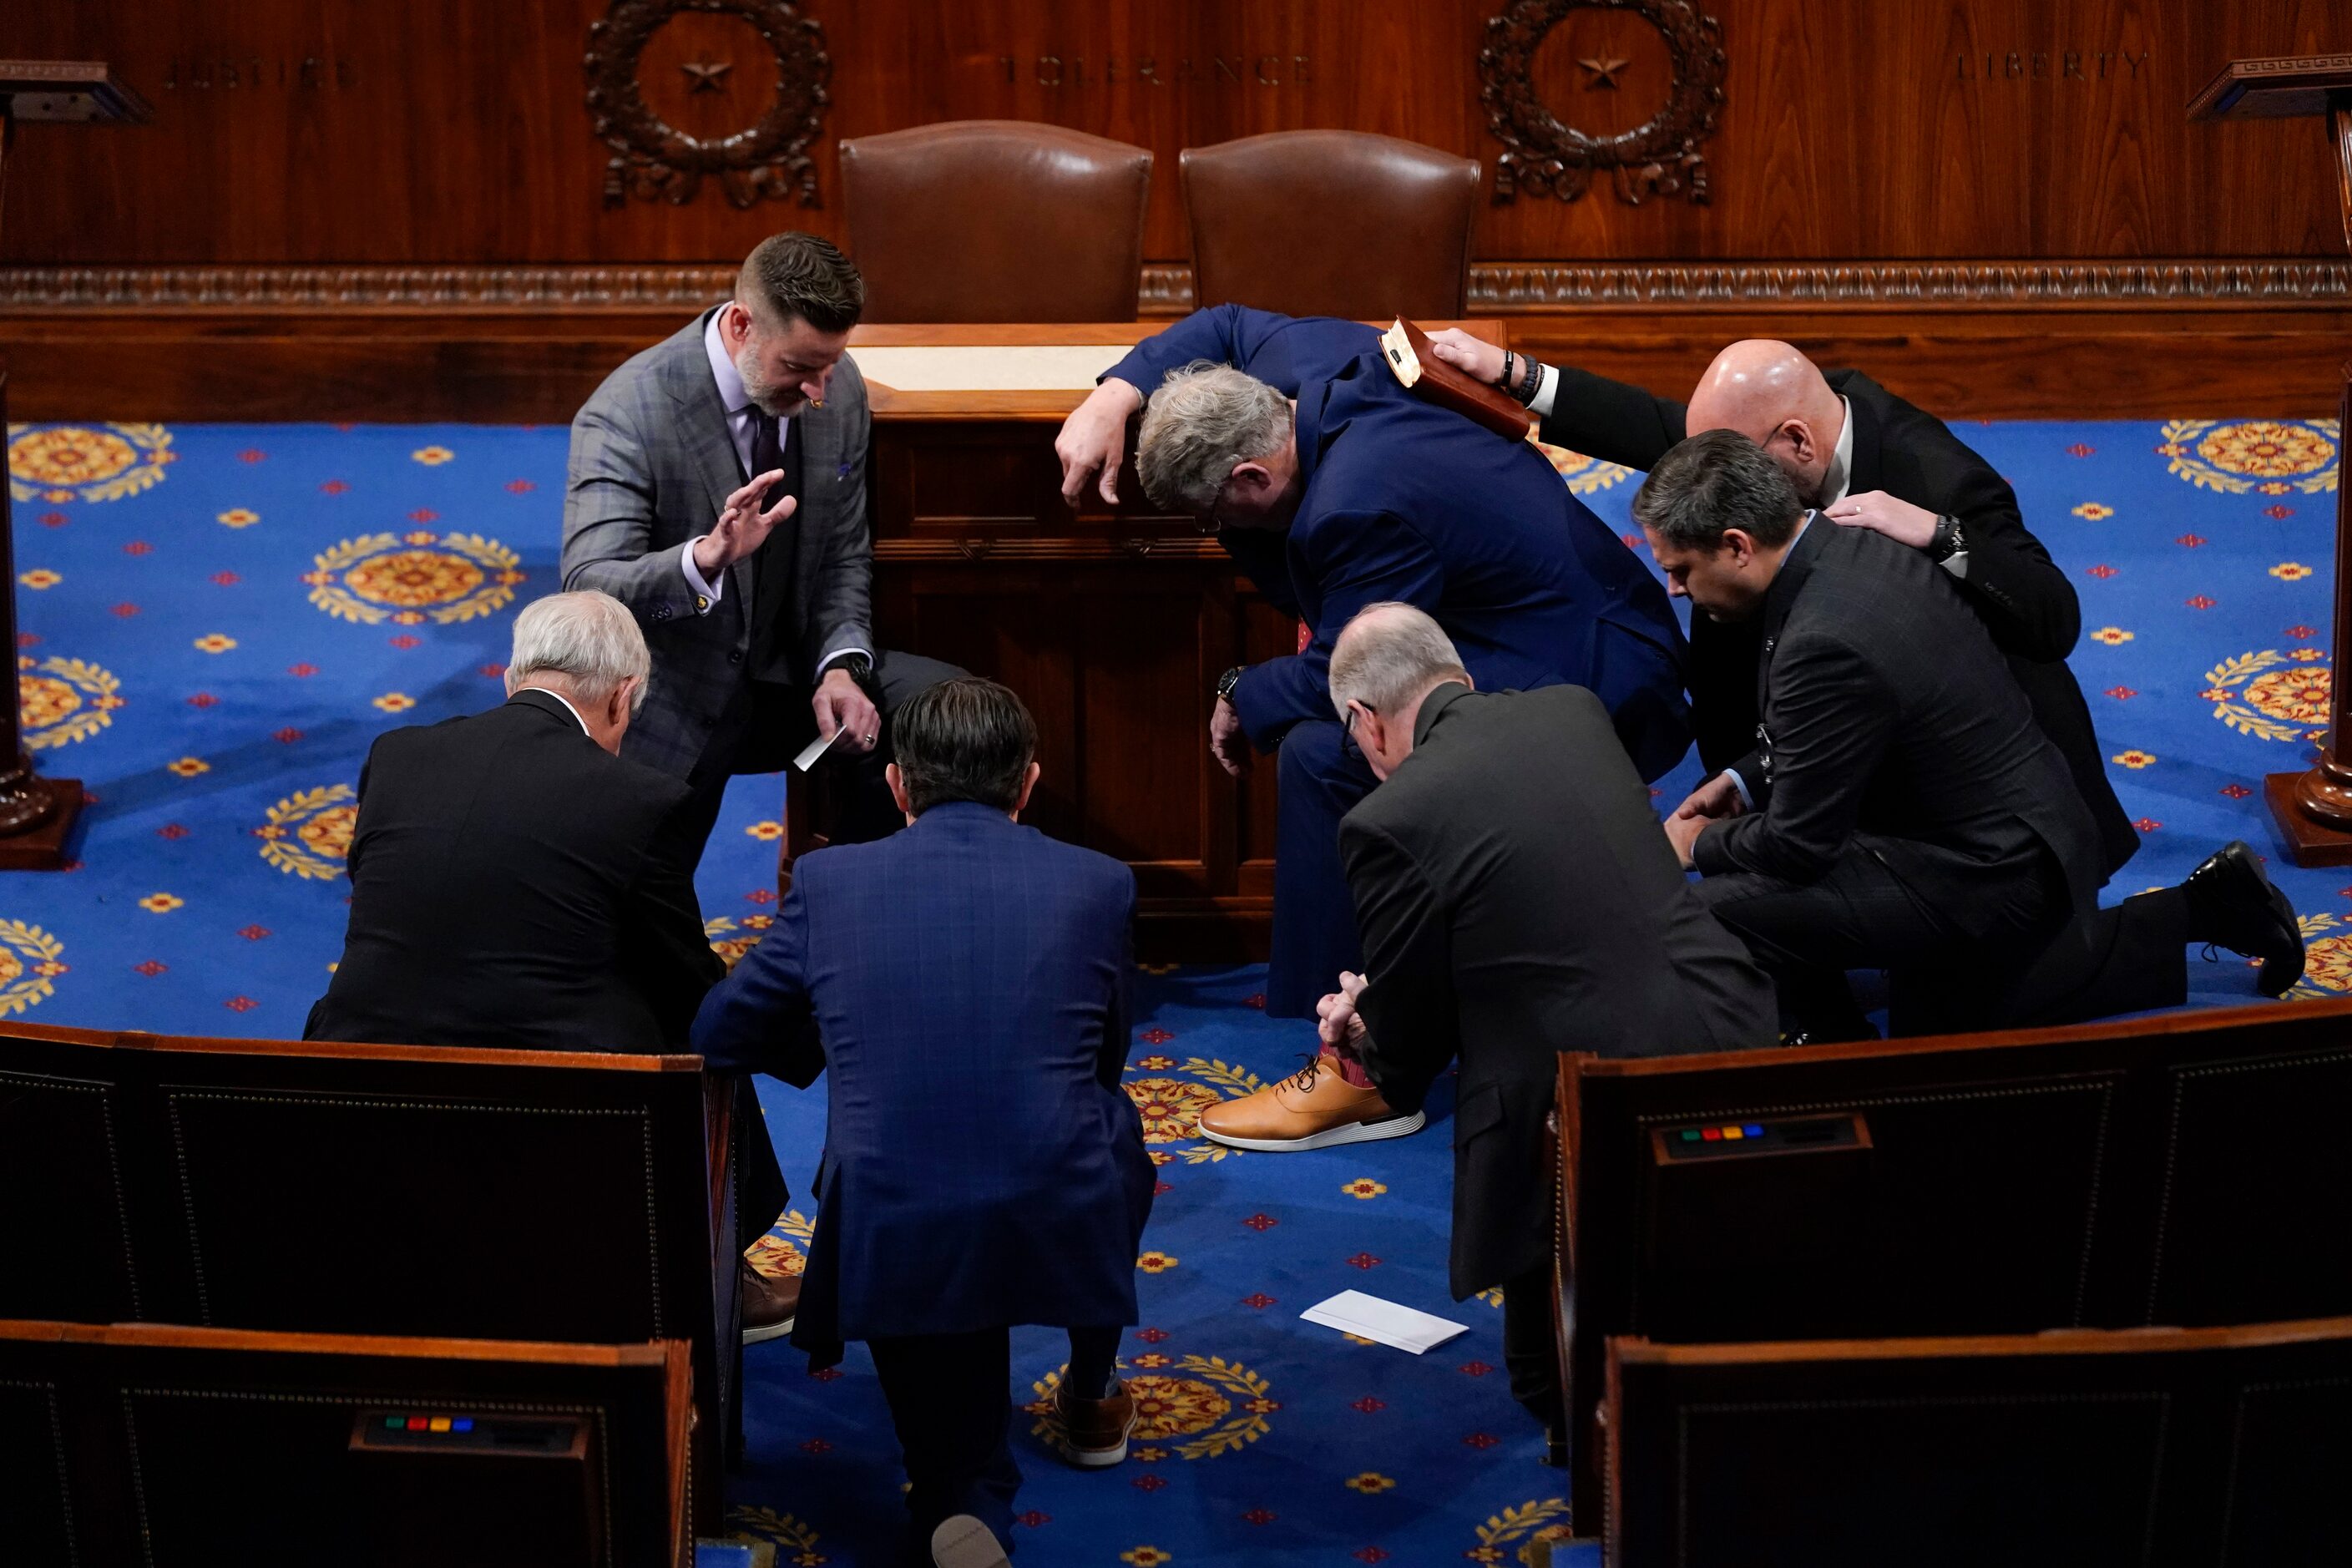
x=963, y=984
x=1368, y=493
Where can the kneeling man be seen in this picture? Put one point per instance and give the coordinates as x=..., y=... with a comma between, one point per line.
x=1515, y=902
x=964, y=985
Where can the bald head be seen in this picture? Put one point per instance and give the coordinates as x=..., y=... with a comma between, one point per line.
x=1778, y=398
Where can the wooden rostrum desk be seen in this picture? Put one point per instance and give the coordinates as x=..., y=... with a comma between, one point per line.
x=1113, y=624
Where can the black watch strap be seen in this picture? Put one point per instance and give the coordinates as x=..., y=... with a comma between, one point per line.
x=1947, y=541
x=1227, y=682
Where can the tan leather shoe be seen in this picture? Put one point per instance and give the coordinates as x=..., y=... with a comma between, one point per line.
x=768, y=1305
x=1094, y=1431
x=1314, y=1108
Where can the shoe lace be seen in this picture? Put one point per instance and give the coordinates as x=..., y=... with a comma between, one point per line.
x=1303, y=1080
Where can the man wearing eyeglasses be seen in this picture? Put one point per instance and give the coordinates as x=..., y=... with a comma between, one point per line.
x=1333, y=486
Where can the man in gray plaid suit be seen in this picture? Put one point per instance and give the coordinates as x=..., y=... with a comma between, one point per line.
x=716, y=487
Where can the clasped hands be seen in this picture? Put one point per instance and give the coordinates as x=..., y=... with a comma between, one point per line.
x=840, y=704
x=1717, y=800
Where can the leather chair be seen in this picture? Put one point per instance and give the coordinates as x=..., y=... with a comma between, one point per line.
x=996, y=220
x=1331, y=223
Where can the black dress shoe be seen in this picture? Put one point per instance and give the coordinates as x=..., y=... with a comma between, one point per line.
x=2232, y=904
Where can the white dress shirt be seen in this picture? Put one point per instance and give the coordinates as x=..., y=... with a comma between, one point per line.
x=567, y=707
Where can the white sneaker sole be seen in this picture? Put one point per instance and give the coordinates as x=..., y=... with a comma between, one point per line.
x=1353, y=1133
x=772, y=1332
x=962, y=1541
x=1094, y=1458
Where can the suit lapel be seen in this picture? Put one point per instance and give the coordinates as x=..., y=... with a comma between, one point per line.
x=1777, y=600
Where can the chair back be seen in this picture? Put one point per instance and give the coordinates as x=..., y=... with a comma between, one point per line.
x=1331, y=223
x=2165, y=1172
x=996, y=220
x=173, y=1447
x=2163, y=1446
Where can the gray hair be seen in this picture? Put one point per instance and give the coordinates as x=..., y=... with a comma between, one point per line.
x=588, y=639
x=1388, y=655
x=1717, y=479
x=1204, y=419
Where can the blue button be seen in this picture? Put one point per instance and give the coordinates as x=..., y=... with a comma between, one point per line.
x=462, y=1424
x=1753, y=1130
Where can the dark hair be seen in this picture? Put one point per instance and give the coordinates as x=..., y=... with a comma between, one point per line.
x=1716, y=480
x=965, y=739
x=798, y=275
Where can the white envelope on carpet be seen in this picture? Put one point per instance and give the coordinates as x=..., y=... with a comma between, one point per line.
x=1353, y=1312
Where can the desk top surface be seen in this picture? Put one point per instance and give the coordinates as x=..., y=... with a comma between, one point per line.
x=1015, y=371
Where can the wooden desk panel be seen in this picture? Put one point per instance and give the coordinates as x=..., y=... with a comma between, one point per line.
x=1112, y=622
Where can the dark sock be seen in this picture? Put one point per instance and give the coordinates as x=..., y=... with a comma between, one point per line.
x=1093, y=1362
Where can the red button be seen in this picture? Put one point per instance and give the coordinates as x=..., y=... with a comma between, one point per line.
x=1713, y=1134
x=416, y=1422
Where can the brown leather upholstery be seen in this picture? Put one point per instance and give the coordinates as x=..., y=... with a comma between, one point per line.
x=996, y=220
x=1331, y=223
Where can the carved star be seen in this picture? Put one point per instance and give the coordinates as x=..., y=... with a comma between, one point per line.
x=1604, y=73
x=702, y=76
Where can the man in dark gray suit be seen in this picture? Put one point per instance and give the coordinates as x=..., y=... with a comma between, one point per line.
x=1901, y=810
x=716, y=487
x=1515, y=902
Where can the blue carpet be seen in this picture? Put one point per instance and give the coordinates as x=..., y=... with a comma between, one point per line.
x=217, y=619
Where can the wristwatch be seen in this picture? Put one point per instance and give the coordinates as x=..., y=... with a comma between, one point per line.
x=1227, y=682
x=1947, y=541
x=859, y=668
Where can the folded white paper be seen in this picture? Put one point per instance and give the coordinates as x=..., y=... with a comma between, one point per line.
x=1353, y=1312
x=814, y=750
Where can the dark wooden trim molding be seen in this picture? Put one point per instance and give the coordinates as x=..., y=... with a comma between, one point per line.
x=2235, y=282
x=2072, y=285
x=268, y=289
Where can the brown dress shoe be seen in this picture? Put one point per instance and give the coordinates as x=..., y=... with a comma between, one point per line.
x=1095, y=1431
x=1314, y=1108
x=768, y=1305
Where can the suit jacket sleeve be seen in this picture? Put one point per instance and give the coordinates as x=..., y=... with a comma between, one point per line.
x=1358, y=559
x=761, y=1018
x=1829, y=716
x=663, y=944
x=1411, y=1024
x=1226, y=334
x=845, y=586
x=2019, y=592
x=1612, y=421
x=608, y=517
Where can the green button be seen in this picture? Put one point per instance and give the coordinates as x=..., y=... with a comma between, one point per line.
x=1690, y=1134
x=394, y=1423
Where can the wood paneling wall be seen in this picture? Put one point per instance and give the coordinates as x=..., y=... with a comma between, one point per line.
x=458, y=131
x=1992, y=204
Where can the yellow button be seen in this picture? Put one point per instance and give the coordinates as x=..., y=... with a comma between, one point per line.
x=1733, y=1133
x=440, y=1424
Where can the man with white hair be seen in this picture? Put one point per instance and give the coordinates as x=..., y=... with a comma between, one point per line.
x=1517, y=900
x=514, y=881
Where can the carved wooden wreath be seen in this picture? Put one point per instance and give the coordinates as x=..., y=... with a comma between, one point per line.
x=1549, y=158
x=653, y=158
